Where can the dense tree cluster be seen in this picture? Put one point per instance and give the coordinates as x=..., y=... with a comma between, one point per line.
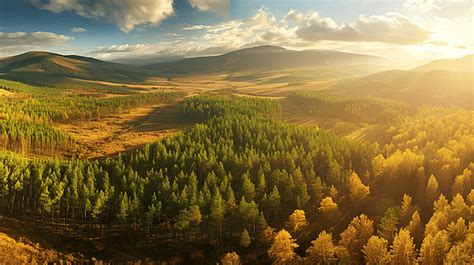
x=244, y=180
x=359, y=110
x=28, y=116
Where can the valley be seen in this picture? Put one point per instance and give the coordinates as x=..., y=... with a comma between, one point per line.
x=186, y=166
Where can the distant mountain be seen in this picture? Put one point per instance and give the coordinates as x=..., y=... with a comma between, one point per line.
x=262, y=58
x=43, y=66
x=441, y=88
x=148, y=61
x=465, y=64
x=51, y=68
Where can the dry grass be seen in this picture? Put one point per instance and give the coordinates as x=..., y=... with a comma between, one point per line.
x=21, y=251
x=121, y=132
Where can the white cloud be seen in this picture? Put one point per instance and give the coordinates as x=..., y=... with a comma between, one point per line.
x=126, y=14
x=217, y=6
x=78, y=30
x=17, y=42
x=36, y=39
x=388, y=28
x=422, y=5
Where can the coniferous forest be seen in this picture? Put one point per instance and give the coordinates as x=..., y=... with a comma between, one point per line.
x=230, y=132
x=245, y=182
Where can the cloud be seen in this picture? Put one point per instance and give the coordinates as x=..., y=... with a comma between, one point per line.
x=442, y=8
x=17, y=42
x=33, y=39
x=126, y=14
x=196, y=27
x=216, y=6
x=389, y=28
x=422, y=5
x=78, y=30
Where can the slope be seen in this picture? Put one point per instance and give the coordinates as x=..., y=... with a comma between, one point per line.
x=47, y=67
x=262, y=58
x=441, y=88
x=465, y=64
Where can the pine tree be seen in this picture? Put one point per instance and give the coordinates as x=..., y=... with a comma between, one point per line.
x=245, y=240
x=388, y=225
x=282, y=251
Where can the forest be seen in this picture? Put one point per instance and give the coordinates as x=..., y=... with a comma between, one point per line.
x=246, y=186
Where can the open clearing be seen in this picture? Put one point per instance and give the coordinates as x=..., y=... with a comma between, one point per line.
x=120, y=132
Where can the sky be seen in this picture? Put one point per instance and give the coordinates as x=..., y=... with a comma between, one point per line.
x=411, y=30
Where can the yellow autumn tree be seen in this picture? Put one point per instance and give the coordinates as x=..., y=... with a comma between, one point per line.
x=355, y=237
x=322, y=250
x=327, y=206
x=376, y=251
x=434, y=248
x=231, y=258
x=296, y=221
x=358, y=192
x=282, y=250
x=403, y=249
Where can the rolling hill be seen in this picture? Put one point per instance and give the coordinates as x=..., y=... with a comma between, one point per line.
x=262, y=58
x=44, y=67
x=465, y=64
x=441, y=88
x=50, y=68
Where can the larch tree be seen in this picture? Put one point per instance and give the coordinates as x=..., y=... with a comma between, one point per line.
x=462, y=252
x=322, y=250
x=327, y=206
x=457, y=230
x=406, y=209
x=434, y=248
x=376, y=251
x=231, y=258
x=403, y=249
x=355, y=237
x=431, y=191
x=282, y=251
x=358, y=192
x=415, y=227
x=296, y=221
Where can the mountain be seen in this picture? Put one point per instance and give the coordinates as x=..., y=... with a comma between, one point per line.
x=44, y=66
x=465, y=64
x=50, y=68
x=148, y=61
x=441, y=88
x=262, y=58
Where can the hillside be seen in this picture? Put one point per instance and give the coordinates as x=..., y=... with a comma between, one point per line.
x=47, y=67
x=262, y=58
x=442, y=88
x=465, y=64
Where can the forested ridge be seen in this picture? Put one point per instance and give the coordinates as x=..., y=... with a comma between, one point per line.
x=244, y=180
x=27, y=118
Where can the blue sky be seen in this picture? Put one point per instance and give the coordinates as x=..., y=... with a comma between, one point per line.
x=111, y=29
